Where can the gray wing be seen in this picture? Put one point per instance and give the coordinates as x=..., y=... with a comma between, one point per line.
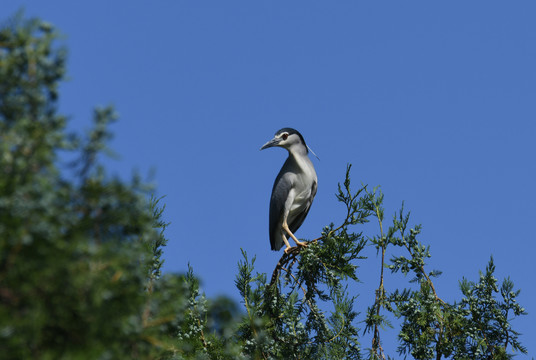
x=298, y=221
x=282, y=186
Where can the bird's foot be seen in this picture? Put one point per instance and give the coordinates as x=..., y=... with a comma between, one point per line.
x=300, y=244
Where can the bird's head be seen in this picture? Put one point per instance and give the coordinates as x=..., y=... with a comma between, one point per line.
x=287, y=138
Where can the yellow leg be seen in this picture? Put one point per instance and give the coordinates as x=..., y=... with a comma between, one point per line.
x=285, y=227
x=286, y=243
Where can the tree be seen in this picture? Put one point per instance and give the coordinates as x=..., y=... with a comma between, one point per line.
x=80, y=258
x=307, y=280
x=80, y=251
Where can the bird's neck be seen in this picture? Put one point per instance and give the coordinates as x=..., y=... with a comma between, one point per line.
x=297, y=151
x=299, y=157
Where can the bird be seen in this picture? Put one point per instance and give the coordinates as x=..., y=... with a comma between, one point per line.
x=293, y=191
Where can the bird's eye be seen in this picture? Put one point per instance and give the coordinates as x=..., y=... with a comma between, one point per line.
x=284, y=136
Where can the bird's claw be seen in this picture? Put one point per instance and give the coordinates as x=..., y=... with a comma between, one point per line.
x=299, y=245
x=303, y=244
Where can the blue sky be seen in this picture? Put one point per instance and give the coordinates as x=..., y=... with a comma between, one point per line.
x=434, y=101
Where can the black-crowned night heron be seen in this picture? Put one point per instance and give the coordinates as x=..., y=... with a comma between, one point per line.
x=294, y=189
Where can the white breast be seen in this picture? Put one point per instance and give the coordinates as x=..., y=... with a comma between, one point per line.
x=305, y=177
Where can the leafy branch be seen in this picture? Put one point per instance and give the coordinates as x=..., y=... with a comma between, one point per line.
x=292, y=307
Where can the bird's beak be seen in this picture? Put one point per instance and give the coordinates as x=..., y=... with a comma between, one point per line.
x=273, y=142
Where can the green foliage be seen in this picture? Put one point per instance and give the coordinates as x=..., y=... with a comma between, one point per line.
x=285, y=318
x=476, y=328
x=80, y=251
x=486, y=318
x=81, y=258
x=307, y=312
